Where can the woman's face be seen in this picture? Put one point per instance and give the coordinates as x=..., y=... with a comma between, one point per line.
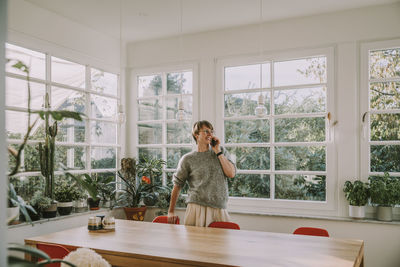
x=204, y=136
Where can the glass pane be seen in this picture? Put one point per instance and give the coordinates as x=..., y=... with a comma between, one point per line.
x=307, y=100
x=384, y=63
x=150, y=109
x=174, y=155
x=65, y=99
x=150, y=133
x=103, y=132
x=247, y=131
x=17, y=125
x=103, y=157
x=104, y=82
x=150, y=152
x=300, y=71
x=70, y=130
x=309, y=158
x=26, y=186
x=149, y=85
x=244, y=104
x=67, y=72
x=250, y=158
x=385, y=158
x=300, y=130
x=17, y=93
x=385, y=127
x=184, y=190
x=31, y=158
x=300, y=187
x=178, y=80
x=247, y=77
x=35, y=61
x=384, y=95
x=11, y=158
x=71, y=157
x=179, y=133
x=249, y=185
x=103, y=107
x=172, y=106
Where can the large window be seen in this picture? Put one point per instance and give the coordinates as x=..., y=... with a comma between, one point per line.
x=90, y=146
x=380, y=112
x=283, y=152
x=159, y=133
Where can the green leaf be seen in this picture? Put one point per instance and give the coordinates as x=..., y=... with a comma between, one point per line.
x=29, y=250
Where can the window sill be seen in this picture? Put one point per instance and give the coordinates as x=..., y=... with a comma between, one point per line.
x=45, y=220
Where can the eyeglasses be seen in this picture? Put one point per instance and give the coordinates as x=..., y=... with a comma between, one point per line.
x=211, y=132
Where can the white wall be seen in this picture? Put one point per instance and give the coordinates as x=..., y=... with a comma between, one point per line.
x=345, y=32
x=3, y=181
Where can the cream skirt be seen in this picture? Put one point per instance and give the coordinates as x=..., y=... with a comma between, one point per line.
x=198, y=215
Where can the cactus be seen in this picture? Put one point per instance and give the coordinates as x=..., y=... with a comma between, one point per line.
x=47, y=153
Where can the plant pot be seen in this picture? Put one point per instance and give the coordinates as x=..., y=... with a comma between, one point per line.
x=105, y=203
x=384, y=213
x=80, y=205
x=93, y=204
x=12, y=214
x=50, y=212
x=135, y=214
x=34, y=217
x=357, y=212
x=64, y=208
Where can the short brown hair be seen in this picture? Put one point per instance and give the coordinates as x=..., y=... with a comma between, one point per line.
x=198, y=125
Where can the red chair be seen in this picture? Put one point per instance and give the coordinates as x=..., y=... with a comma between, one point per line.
x=164, y=219
x=226, y=225
x=54, y=252
x=311, y=231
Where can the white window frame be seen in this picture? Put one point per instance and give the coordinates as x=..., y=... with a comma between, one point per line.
x=193, y=67
x=87, y=145
x=365, y=110
x=256, y=205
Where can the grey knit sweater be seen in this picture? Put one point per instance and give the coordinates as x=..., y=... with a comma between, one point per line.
x=207, y=182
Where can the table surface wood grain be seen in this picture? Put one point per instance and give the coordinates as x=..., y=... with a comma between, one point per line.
x=156, y=244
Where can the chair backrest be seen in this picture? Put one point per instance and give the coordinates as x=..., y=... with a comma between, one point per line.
x=54, y=252
x=311, y=231
x=164, y=219
x=226, y=225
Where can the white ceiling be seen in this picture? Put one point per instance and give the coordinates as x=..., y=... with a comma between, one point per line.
x=153, y=19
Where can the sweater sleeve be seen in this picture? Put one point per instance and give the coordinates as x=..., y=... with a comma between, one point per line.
x=181, y=174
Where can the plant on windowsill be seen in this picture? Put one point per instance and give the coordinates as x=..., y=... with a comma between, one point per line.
x=41, y=203
x=357, y=193
x=132, y=192
x=65, y=192
x=17, y=205
x=383, y=194
x=91, y=185
x=151, y=168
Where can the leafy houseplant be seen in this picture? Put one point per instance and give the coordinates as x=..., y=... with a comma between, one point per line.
x=132, y=191
x=40, y=202
x=151, y=169
x=357, y=193
x=91, y=185
x=383, y=193
x=16, y=205
x=65, y=192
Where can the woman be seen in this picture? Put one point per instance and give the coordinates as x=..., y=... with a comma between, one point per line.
x=206, y=171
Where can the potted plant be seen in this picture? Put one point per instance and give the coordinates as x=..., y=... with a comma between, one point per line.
x=383, y=194
x=106, y=189
x=80, y=201
x=65, y=192
x=132, y=191
x=16, y=205
x=151, y=168
x=92, y=186
x=357, y=193
x=41, y=203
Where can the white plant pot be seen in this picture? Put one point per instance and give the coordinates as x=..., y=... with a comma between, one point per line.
x=12, y=214
x=384, y=213
x=357, y=212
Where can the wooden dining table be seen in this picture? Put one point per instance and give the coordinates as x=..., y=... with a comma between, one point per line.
x=136, y=243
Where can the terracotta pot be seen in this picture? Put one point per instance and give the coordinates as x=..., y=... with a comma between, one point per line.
x=136, y=214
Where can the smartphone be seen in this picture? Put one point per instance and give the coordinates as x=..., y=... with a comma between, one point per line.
x=213, y=142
